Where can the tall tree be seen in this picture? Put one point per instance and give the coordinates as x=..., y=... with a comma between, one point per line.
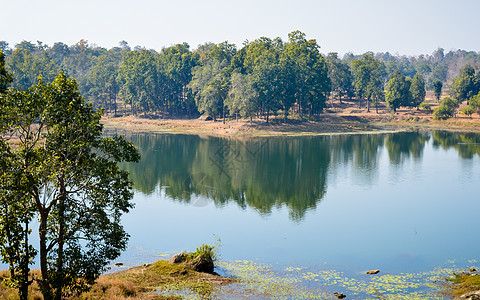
x=177, y=63
x=71, y=180
x=242, y=97
x=138, y=78
x=211, y=78
x=417, y=90
x=437, y=89
x=5, y=77
x=102, y=79
x=312, y=83
x=368, y=73
x=340, y=77
x=466, y=85
x=397, y=91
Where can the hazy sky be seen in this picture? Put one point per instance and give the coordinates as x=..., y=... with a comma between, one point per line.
x=408, y=27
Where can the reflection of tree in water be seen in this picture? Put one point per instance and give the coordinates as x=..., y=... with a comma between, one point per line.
x=264, y=173
x=360, y=152
x=403, y=145
x=467, y=144
x=268, y=173
x=261, y=174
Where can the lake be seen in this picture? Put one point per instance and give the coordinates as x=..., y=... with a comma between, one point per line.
x=404, y=203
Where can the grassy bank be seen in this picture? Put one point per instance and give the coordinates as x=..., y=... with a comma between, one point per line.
x=159, y=280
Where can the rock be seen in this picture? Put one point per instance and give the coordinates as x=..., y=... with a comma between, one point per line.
x=371, y=272
x=472, y=270
x=339, y=295
x=118, y=264
x=201, y=263
x=208, y=118
x=177, y=258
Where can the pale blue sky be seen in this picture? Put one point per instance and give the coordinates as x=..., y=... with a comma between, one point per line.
x=408, y=27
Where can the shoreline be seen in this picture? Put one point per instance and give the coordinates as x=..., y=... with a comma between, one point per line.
x=326, y=124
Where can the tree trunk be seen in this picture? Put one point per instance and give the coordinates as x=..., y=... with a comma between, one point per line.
x=59, y=280
x=285, y=114
x=23, y=289
x=368, y=105
x=42, y=232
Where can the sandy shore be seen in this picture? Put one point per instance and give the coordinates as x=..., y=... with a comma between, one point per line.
x=328, y=123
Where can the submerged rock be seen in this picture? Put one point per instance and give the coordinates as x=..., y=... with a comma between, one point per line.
x=472, y=270
x=371, y=272
x=339, y=295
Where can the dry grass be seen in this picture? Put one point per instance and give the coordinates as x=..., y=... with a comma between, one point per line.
x=345, y=117
x=137, y=283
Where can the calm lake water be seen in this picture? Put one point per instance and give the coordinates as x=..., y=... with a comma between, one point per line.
x=402, y=202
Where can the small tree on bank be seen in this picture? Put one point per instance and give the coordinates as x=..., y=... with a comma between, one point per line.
x=446, y=110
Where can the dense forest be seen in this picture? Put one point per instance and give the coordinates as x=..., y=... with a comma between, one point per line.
x=262, y=78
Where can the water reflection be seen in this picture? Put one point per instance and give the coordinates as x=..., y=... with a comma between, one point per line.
x=268, y=173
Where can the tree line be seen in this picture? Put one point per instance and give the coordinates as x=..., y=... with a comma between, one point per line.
x=262, y=78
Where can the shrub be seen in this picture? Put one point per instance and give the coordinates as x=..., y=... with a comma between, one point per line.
x=468, y=110
x=442, y=112
x=425, y=106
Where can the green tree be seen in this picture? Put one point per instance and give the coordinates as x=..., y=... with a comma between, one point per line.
x=417, y=90
x=447, y=109
x=475, y=102
x=177, y=63
x=242, y=97
x=466, y=85
x=311, y=81
x=138, y=78
x=211, y=78
x=397, y=91
x=102, y=79
x=5, y=77
x=26, y=67
x=437, y=89
x=340, y=77
x=68, y=175
x=368, y=74
x=468, y=110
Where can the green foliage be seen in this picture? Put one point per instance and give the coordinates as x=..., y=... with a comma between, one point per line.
x=417, y=90
x=138, y=79
x=211, y=79
x=5, y=77
x=466, y=85
x=340, y=76
x=468, y=110
x=475, y=102
x=242, y=97
x=68, y=176
x=397, y=92
x=447, y=109
x=425, y=106
x=368, y=74
x=311, y=83
x=437, y=89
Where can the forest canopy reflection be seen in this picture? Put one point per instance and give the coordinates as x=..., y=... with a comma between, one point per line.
x=268, y=173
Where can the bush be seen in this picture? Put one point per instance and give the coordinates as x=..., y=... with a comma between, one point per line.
x=468, y=111
x=443, y=112
x=425, y=106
